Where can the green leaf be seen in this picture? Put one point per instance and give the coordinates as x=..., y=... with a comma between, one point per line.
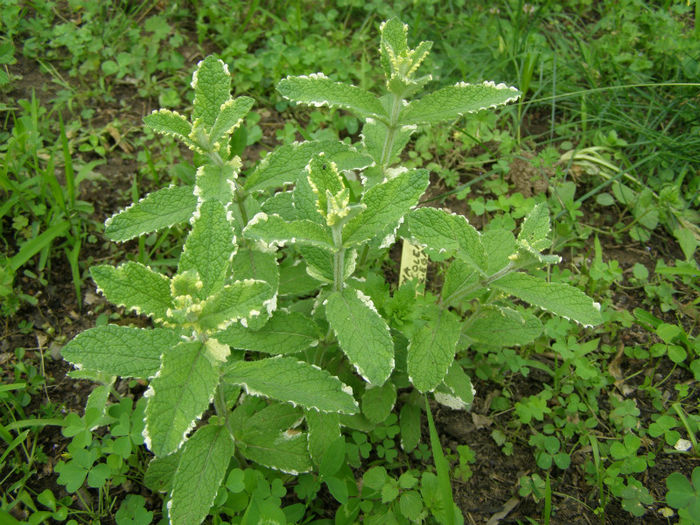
x=393, y=42
x=268, y=437
x=459, y=277
x=178, y=395
x=324, y=431
x=273, y=229
x=534, y=231
x=158, y=210
x=446, y=234
x=168, y=122
x=237, y=301
x=230, y=116
x=208, y=248
x=377, y=402
x=513, y=328
x=559, y=298
x=215, y=182
x=304, y=202
x=289, y=380
x=323, y=176
x=285, y=333
x=499, y=245
x=286, y=164
x=319, y=263
x=409, y=424
x=318, y=90
x=374, y=135
x=120, y=350
x=386, y=204
x=212, y=88
x=282, y=204
x=254, y=264
x=454, y=101
x=203, y=464
x=161, y=471
x=432, y=349
x=456, y=391
x=363, y=335
x=136, y=287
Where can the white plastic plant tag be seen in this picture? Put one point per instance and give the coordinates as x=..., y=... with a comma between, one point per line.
x=414, y=263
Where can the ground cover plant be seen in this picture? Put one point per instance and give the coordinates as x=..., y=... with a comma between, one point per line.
x=537, y=372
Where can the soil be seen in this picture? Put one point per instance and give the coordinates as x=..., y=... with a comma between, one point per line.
x=489, y=496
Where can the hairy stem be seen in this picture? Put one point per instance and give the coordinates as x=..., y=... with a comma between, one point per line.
x=391, y=133
x=338, y=259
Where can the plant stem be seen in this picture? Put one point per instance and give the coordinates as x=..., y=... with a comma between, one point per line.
x=391, y=133
x=221, y=410
x=483, y=283
x=338, y=259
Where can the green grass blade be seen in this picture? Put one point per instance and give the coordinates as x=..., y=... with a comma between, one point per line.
x=38, y=243
x=442, y=468
x=68, y=164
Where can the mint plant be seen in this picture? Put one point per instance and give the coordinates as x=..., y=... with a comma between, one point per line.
x=311, y=220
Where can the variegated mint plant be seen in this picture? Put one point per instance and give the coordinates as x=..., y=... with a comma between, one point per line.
x=278, y=314
x=222, y=285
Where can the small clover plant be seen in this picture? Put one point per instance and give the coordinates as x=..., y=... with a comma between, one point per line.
x=276, y=292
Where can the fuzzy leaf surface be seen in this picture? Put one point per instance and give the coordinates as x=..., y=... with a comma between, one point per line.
x=161, y=471
x=456, y=391
x=289, y=380
x=235, y=301
x=135, y=287
x=534, y=231
x=559, y=298
x=158, y=210
x=386, y=204
x=284, y=333
x=178, y=395
x=208, y=247
x=324, y=430
x=362, y=333
x=513, y=328
x=215, y=183
x=447, y=234
x=254, y=264
x=268, y=437
x=454, y=101
x=374, y=134
x=212, y=88
x=203, y=464
x=499, y=246
x=319, y=90
x=171, y=123
x=120, y=350
x=274, y=229
x=431, y=351
x=231, y=115
x=286, y=164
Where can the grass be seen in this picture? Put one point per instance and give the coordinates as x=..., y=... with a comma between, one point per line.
x=609, y=119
